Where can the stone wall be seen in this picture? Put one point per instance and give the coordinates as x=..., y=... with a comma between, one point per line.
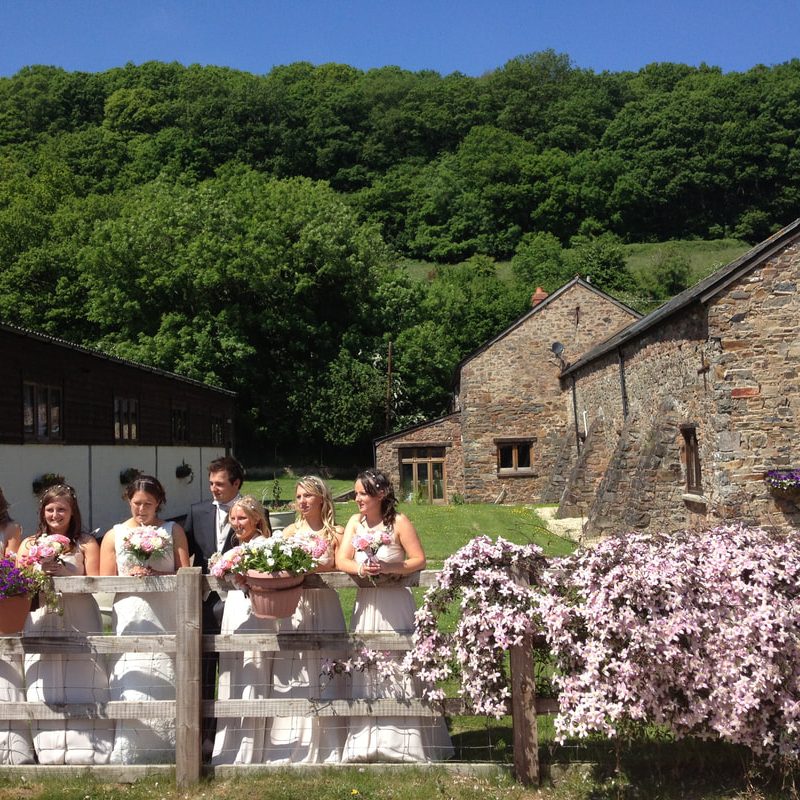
x=512, y=389
x=588, y=470
x=444, y=432
x=757, y=388
x=731, y=368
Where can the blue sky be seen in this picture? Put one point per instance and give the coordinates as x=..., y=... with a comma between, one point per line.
x=470, y=36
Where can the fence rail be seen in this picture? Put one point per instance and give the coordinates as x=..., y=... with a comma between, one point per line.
x=188, y=644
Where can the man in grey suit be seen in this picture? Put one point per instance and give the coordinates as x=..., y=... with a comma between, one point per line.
x=208, y=531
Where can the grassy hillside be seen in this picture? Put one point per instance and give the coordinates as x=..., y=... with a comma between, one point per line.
x=704, y=257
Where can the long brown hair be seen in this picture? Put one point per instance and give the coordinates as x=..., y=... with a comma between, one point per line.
x=61, y=491
x=376, y=483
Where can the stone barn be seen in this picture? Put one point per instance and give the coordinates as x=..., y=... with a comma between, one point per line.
x=510, y=435
x=677, y=418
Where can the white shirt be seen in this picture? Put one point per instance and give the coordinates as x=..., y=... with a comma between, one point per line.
x=222, y=520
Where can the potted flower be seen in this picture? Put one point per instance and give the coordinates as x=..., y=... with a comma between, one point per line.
x=18, y=584
x=45, y=481
x=784, y=483
x=273, y=570
x=184, y=471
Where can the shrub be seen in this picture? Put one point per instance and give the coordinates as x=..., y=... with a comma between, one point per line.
x=695, y=631
x=495, y=614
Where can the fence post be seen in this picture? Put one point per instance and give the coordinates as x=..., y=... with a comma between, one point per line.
x=523, y=706
x=188, y=694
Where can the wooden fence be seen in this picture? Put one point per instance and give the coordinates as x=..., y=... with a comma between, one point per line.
x=188, y=643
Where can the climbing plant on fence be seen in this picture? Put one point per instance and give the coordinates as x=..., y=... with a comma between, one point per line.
x=697, y=631
x=495, y=613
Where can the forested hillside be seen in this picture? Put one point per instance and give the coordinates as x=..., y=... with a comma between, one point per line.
x=246, y=230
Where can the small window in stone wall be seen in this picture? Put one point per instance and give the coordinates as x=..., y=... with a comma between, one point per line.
x=694, y=483
x=514, y=458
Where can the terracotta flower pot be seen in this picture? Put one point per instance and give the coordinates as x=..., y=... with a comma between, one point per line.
x=274, y=595
x=13, y=611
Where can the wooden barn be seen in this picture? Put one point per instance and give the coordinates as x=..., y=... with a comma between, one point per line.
x=88, y=416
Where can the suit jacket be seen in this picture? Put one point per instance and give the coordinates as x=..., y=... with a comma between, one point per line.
x=201, y=531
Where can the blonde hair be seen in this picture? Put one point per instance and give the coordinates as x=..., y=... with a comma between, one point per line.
x=316, y=486
x=254, y=511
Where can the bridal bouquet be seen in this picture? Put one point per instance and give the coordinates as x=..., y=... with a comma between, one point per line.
x=223, y=564
x=367, y=545
x=144, y=543
x=48, y=549
x=315, y=546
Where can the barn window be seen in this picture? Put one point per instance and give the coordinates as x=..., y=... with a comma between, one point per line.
x=514, y=457
x=423, y=473
x=694, y=484
x=180, y=426
x=126, y=420
x=217, y=431
x=42, y=412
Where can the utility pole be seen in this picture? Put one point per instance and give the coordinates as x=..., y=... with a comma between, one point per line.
x=388, y=389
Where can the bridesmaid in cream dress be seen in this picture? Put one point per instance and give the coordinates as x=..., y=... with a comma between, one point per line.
x=297, y=674
x=74, y=677
x=244, y=675
x=388, y=608
x=144, y=676
x=15, y=738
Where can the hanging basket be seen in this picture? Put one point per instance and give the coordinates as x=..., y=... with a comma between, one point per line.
x=789, y=493
x=273, y=595
x=13, y=611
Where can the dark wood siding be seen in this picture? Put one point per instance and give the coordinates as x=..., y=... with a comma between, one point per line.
x=90, y=383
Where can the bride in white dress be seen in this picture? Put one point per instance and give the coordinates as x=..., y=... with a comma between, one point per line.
x=388, y=608
x=297, y=674
x=73, y=677
x=244, y=675
x=144, y=676
x=15, y=738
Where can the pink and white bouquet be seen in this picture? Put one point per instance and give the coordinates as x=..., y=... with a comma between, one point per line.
x=48, y=549
x=221, y=565
x=315, y=546
x=144, y=543
x=368, y=544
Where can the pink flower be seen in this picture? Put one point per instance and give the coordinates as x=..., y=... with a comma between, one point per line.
x=48, y=549
x=223, y=564
x=144, y=543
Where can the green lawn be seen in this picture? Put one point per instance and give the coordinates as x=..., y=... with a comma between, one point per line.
x=443, y=529
x=264, y=489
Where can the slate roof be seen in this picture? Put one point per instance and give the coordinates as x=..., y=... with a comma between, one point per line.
x=44, y=337
x=378, y=439
x=701, y=292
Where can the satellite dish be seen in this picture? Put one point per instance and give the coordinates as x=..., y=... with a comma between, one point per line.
x=557, y=348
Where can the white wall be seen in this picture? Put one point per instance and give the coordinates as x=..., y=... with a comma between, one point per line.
x=94, y=472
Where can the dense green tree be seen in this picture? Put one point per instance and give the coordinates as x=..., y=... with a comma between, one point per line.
x=601, y=261
x=242, y=281
x=540, y=261
x=215, y=222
